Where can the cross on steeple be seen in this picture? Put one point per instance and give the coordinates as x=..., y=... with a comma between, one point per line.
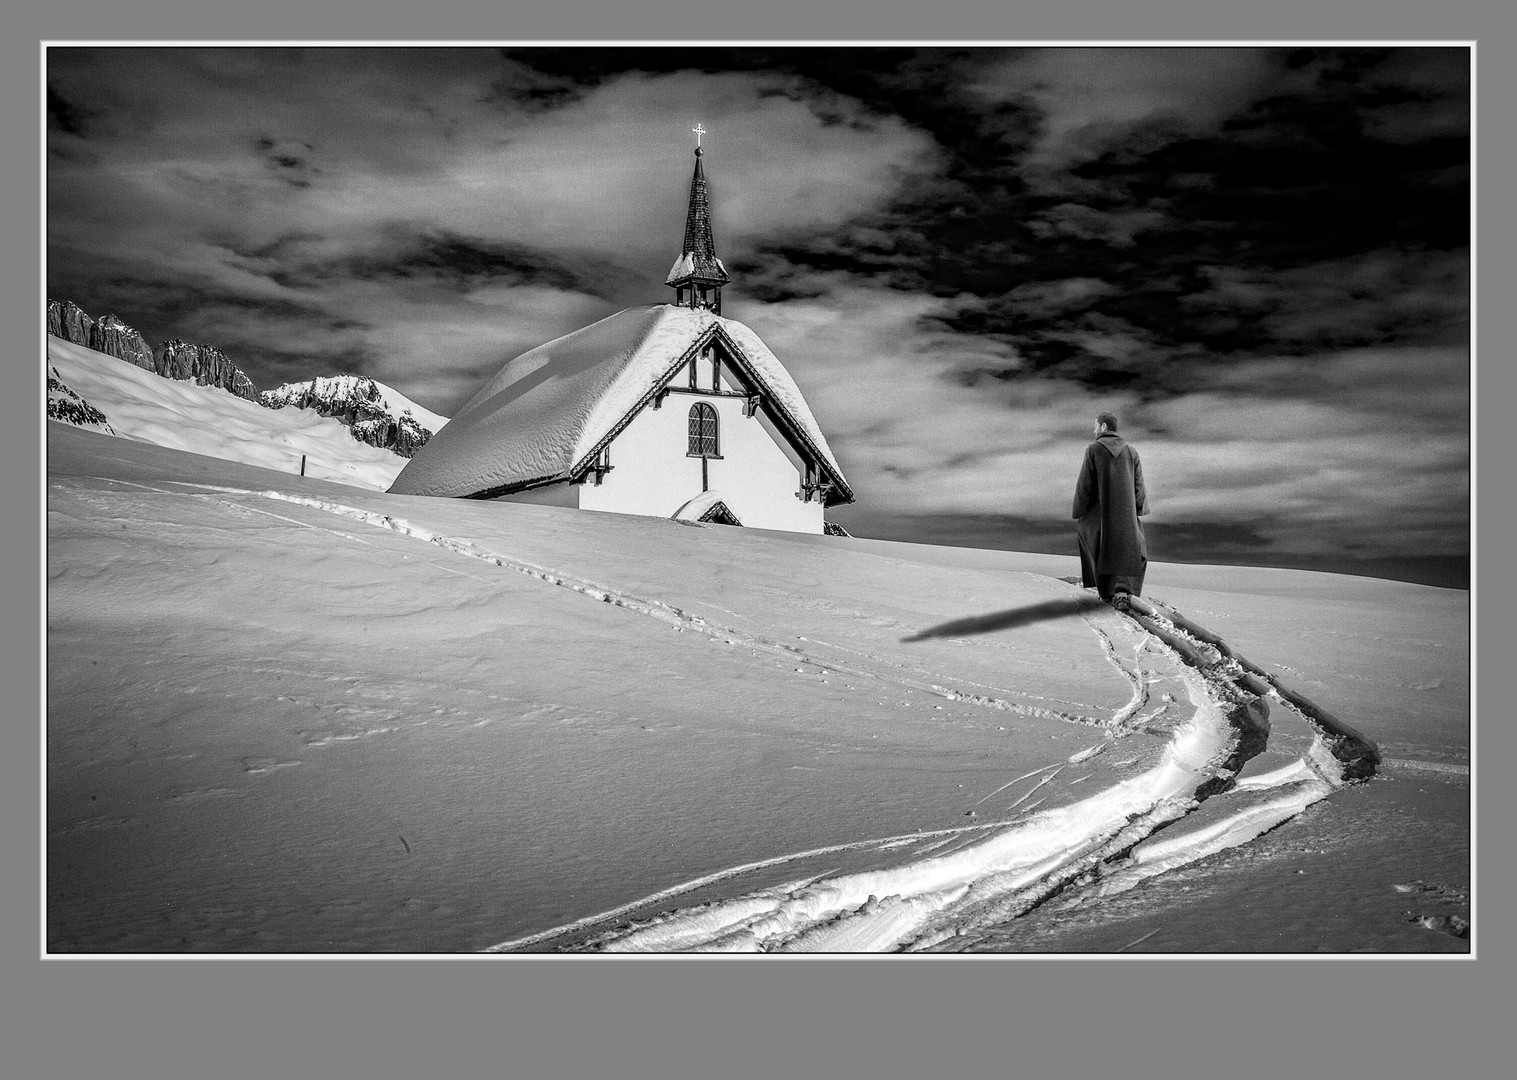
x=697, y=276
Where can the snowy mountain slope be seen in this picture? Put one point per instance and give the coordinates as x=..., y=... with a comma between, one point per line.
x=68, y=407
x=206, y=420
x=338, y=391
x=375, y=413
x=460, y=725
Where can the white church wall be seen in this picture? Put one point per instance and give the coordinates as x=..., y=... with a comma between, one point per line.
x=757, y=475
x=652, y=473
x=729, y=381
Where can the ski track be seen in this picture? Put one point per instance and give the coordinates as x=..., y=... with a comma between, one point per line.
x=1079, y=853
x=1074, y=854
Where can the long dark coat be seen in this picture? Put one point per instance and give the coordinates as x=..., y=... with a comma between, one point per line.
x=1109, y=500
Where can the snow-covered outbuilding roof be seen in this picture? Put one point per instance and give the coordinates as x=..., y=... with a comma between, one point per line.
x=547, y=413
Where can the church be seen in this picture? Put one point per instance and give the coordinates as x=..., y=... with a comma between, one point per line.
x=667, y=410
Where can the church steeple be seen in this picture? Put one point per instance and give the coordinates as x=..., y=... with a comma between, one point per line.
x=697, y=276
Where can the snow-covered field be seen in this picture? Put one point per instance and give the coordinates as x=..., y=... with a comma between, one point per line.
x=296, y=716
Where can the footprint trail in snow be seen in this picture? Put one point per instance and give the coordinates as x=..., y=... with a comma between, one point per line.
x=961, y=882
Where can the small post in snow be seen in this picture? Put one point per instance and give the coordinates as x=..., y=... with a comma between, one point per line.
x=302, y=464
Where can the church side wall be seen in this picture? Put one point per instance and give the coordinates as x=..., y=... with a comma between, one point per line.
x=652, y=474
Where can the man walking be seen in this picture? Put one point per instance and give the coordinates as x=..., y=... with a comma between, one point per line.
x=1109, y=500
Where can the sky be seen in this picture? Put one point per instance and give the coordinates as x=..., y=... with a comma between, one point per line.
x=1259, y=258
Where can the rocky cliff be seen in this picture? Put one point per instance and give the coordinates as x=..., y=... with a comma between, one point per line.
x=63, y=404
x=361, y=404
x=205, y=364
x=115, y=338
x=66, y=320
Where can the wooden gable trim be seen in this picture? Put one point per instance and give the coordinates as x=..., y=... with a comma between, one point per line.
x=720, y=514
x=787, y=423
x=660, y=388
x=765, y=399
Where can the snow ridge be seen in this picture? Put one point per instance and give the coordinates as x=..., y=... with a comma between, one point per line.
x=1074, y=854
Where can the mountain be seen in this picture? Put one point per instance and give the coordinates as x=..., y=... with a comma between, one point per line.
x=65, y=405
x=203, y=364
x=115, y=338
x=376, y=414
x=87, y=388
x=174, y=359
x=68, y=321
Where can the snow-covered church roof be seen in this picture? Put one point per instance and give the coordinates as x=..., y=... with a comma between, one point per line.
x=545, y=414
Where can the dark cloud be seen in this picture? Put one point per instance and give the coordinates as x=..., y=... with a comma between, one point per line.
x=288, y=159
x=439, y=259
x=1294, y=187
x=62, y=115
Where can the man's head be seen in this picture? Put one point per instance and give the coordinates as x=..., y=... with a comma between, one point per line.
x=1106, y=422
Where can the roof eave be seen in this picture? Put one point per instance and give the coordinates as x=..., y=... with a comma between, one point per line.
x=519, y=485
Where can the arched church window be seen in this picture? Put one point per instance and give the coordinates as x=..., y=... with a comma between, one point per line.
x=703, y=433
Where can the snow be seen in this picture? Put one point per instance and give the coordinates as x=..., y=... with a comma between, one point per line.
x=286, y=715
x=181, y=415
x=352, y=387
x=544, y=411
x=686, y=264
x=65, y=405
x=692, y=510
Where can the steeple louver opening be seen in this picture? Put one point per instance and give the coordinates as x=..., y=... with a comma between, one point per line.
x=697, y=276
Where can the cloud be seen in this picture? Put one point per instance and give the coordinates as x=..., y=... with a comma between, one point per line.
x=1061, y=297
x=397, y=195
x=1429, y=95
x=1376, y=296
x=1378, y=447
x=887, y=386
x=1118, y=228
x=1280, y=454
x=1090, y=99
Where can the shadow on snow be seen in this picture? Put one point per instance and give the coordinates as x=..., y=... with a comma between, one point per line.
x=1006, y=620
